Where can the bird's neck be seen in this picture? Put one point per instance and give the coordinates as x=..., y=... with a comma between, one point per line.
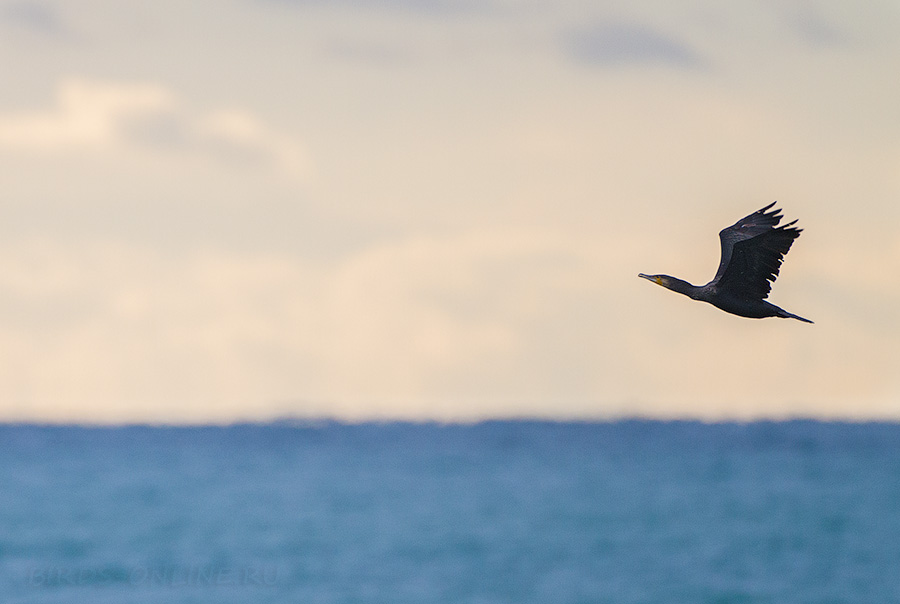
x=683, y=287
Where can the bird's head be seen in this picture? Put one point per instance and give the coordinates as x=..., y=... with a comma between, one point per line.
x=658, y=279
x=675, y=284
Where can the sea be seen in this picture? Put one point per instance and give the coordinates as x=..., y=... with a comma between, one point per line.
x=538, y=512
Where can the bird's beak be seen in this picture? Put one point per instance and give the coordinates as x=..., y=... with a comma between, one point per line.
x=643, y=276
x=650, y=278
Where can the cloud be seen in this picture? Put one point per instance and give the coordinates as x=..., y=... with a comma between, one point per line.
x=108, y=116
x=111, y=331
x=618, y=43
x=369, y=54
x=86, y=114
x=239, y=134
x=435, y=7
x=425, y=326
x=814, y=28
x=35, y=16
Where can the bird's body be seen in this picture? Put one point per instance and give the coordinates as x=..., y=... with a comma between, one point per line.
x=752, y=251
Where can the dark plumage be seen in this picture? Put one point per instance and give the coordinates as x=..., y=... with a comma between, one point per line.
x=752, y=251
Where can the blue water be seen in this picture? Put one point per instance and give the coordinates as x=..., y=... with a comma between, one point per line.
x=498, y=512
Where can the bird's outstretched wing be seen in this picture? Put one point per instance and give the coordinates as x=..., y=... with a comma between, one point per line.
x=750, y=226
x=752, y=251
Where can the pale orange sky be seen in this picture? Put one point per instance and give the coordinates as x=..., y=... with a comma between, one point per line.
x=427, y=209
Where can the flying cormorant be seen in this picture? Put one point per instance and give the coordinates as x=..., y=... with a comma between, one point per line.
x=752, y=251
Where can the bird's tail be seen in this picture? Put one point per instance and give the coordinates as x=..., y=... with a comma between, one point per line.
x=785, y=314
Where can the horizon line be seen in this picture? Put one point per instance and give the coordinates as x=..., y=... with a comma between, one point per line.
x=323, y=421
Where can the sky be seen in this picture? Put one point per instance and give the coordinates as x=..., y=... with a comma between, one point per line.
x=233, y=210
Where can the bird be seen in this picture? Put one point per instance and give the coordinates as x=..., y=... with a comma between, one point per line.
x=752, y=251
